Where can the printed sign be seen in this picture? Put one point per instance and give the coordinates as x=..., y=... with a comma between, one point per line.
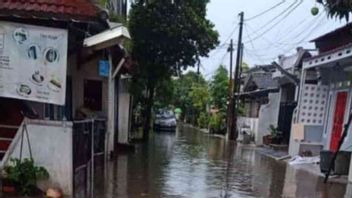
x=33, y=63
x=104, y=68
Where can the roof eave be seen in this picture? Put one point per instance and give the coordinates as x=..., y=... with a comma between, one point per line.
x=49, y=16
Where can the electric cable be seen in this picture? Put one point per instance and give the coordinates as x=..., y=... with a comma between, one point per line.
x=278, y=22
x=266, y=11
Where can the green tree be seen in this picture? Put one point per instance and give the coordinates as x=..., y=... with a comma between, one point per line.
x=186, y=89
x=167, y=37
x=338, y=8
x=164, y=94
x=219, y=88
x=199, y=95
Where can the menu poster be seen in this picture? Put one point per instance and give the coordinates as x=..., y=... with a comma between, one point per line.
x=33, y=63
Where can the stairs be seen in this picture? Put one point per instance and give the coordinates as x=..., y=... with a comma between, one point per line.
x=10, y=121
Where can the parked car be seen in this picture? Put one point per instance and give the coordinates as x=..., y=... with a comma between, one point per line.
x=165, y=121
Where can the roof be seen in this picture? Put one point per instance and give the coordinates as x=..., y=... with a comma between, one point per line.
x=80, y=10
x=107, y=38
x=261, y=68
x=336, y=31
x=260, y=80
x=258, y=93
x=288, y=62
x=329, y=57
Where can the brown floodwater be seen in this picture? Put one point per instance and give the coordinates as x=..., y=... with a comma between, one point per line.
x=194, y=164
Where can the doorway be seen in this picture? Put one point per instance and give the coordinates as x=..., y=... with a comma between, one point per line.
x=338, y=121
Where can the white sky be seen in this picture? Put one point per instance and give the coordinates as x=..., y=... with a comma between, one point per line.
x=295, y=30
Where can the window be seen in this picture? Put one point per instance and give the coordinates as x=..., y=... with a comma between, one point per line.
x=93, y=95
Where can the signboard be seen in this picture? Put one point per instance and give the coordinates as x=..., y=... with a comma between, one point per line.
x=104, y=68
x=33, y=63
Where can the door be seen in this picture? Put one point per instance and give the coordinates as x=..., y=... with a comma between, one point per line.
x=339, y=115
x=285, y=119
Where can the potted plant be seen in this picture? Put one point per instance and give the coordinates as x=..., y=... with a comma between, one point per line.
x=23, y=174
x=276, y=135
x=267, y=139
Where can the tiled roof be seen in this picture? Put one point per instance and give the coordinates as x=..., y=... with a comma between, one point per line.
x=58, y=9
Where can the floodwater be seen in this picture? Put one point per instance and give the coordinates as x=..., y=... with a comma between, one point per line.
x=194, y=164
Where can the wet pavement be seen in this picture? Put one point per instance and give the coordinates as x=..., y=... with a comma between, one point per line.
x=194, y=164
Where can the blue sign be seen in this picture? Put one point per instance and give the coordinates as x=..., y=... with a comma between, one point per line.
x=104, y=68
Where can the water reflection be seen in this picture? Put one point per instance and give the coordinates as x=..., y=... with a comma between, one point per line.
x=192, y=164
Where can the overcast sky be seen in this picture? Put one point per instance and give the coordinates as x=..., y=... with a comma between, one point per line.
x=295, y=29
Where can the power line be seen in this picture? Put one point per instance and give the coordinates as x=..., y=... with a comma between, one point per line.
x=224, y=45
x=271, y=43
x=277, y=16
x=310, y=24
x=266, y=11
x=305, y=37
x=278, y=22
x=245, y=27
x=220, y=63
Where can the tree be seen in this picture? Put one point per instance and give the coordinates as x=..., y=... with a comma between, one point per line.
x=219, y=88
x=189, y=94
x=199, y=96
x=338, y=8
x=164, y=94
x=167, y=36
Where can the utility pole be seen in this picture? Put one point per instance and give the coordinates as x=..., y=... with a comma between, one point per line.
x=230, y=105
x=233, y=135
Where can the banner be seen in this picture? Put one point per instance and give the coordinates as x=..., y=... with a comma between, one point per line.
x=33, y=63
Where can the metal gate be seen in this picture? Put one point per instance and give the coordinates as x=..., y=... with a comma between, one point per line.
x=85, y=156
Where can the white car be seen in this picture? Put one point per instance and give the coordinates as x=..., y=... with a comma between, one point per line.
x=165, y=121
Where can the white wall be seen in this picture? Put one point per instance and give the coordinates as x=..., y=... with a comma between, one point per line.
x=124, y=111
x=268, y=115
x=251, y=122
x=51, y=144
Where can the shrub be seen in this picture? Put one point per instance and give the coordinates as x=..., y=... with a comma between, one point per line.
x=24, y=174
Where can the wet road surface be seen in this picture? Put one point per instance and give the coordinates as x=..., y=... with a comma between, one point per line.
x=193, y=164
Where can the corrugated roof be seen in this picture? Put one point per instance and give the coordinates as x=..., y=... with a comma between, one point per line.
x=58, y=9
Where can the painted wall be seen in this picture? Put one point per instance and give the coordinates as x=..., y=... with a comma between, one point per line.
x=88, y=71
x=268, y=115
x=251, y=123
x=51, y=144
x=124, y=111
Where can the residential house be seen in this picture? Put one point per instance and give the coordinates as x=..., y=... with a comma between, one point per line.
x=258, y=88
x=288, y=73
x=63, y=79
x=326, y=96
x=277, y=88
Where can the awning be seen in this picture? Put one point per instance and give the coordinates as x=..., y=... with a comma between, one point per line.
x=257, y=93
x=108, y=38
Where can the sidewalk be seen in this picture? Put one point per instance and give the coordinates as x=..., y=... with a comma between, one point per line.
x=315, y=170
x=277, y=155
x=310, y=168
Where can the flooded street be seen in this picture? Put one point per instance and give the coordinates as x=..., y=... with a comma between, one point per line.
x=193, y=164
